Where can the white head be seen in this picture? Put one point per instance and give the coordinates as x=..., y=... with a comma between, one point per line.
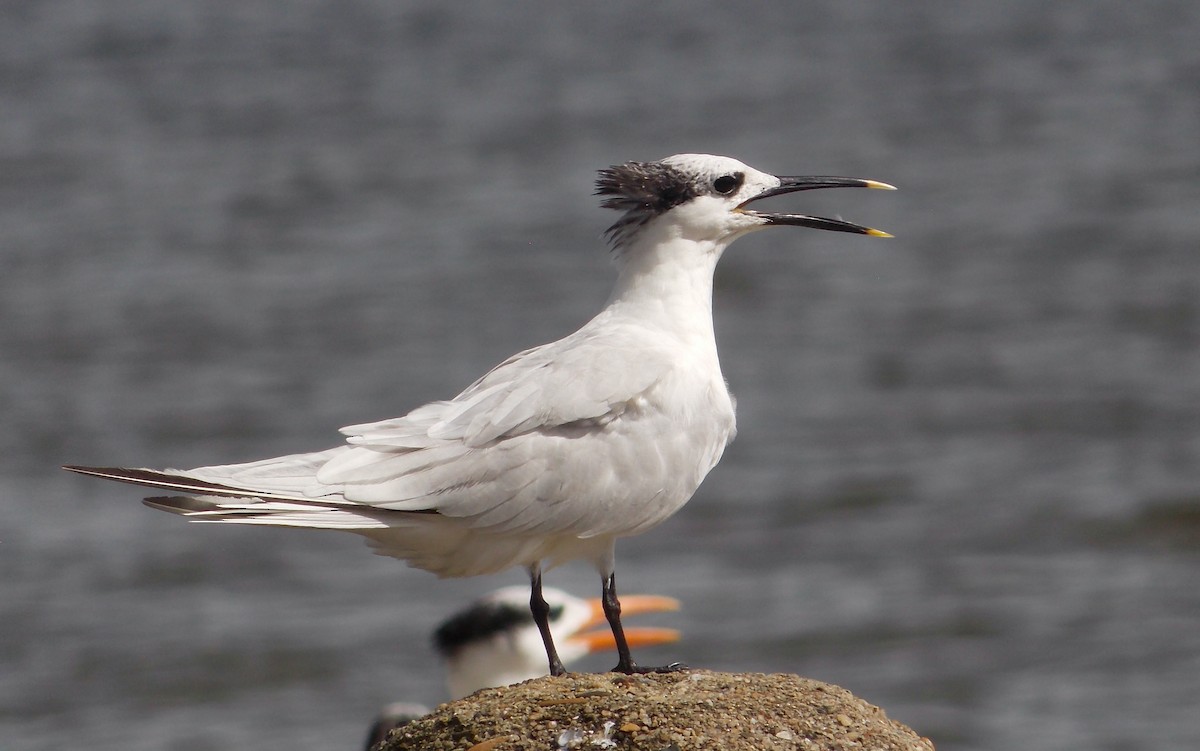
x=704, y=198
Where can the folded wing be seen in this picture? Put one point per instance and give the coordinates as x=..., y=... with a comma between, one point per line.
x=509, y=452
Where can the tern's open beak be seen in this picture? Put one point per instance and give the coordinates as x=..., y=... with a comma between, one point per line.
x=602, y=639
x=793, y=184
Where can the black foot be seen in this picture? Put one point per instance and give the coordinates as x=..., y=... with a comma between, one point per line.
x=612, y=611
x=674, y=667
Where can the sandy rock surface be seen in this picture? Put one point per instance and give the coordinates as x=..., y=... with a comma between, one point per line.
x=684, y=711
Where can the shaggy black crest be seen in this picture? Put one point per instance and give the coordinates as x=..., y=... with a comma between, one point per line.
x=643, y=190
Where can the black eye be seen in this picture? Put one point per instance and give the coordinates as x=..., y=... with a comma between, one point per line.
x=726, y=184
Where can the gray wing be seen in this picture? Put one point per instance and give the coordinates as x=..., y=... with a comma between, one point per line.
x=510, y=453
x=507, y=441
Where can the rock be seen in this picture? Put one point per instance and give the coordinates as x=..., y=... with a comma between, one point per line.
x=684, y=711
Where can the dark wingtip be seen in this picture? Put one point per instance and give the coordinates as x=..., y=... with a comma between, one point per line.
x=111, y=472
x=167, y=479
x=179, y=504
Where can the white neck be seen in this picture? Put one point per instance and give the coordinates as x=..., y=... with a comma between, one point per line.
x=666, y=281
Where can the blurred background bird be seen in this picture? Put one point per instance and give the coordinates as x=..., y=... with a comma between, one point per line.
x=494, y=642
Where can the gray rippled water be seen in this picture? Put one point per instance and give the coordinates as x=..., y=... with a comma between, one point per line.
x=967, y=480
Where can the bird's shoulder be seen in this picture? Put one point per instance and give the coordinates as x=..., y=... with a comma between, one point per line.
x=586, y=376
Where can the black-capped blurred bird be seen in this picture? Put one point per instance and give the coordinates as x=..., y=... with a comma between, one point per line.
x=494, y=642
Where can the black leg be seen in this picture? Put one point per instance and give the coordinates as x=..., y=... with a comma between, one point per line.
x=612, y=611
x=541, y=616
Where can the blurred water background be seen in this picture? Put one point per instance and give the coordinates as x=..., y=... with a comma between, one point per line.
x=967, y=480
